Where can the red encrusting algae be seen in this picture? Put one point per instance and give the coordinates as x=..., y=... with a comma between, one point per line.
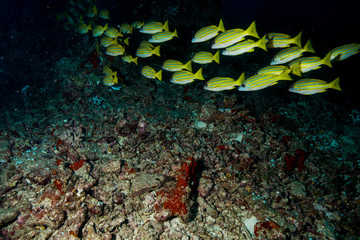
x=77, y=165
x=177, y=198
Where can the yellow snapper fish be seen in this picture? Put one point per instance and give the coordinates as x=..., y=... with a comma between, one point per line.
x=130, y=59
x=289, y=54
x=107, y=41
x=206, y=33
x=206, y=57
x=244, y=46
x=217, y=84
x=92, y=12
x=154, y=27
x=112, y=33
x=281, y=40
x=99, y=30
x=83, y=28
x=310, y=86
x=110, y=80
x=278, y=69
x=343, y=52
x=149, y=72
x=173, y=65
x=184, y=77
x=115, y=50
x=230, y=37
x=104, y=14
x=262, y=81
x=145, y=44
x=137, y=25
x=107, y=70
x=145, y=52
x=311, y=63
x=125, y=28
x=163, y=36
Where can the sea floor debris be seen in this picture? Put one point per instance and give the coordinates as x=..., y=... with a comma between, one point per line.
x=117, y=167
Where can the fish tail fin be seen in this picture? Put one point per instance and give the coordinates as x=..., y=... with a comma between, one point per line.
x=187, y=66
x=166, y=25
x=175, y=33
x=297, y=40
x=135, y=60
x=251, y=30
x=198, y=74
x=296, y=69
x=158, y=75
x=126, y=41
x=261, y=43
x=115, y=41
x=95, y=10
x=221, y=26
x=116, y=80
x=326, y=59
x=285, y=76
x=114, y=73
x=156, y=51
x=308, y=47
x=216, y=57
x=240, y=80
x=106, y=26
x=89, y=27
x=335, y=84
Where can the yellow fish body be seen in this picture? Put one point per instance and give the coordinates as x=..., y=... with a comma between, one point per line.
x=244, y=46
x=278, y=69
x=206, y=57
x=149, y=72
x=173, y=65
x=125, y=28
x=99, y=30
x=83, y=28
x=343, y=52
x=145, y=44
x=145, y=52
x=233, y=36
x=262, y=81
x=107, y=41
x=184, y=77
x=110, y=80
x=115, y=50
x=154, y=27
x=281, y=40
x=112, y=33
x=311, y=63
x=104, y=14
x=310, y=86
x=137, y=25
x=92, y=12
x=130, y=59
x=217, y=84
x=208, y=32
x=289, y=54
x=163, y=36
x=107, y=70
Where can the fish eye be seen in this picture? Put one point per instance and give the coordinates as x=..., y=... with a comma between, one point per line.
x=242, y=85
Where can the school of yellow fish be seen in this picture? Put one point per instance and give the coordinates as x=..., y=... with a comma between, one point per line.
x=232, y=42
